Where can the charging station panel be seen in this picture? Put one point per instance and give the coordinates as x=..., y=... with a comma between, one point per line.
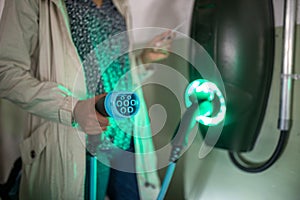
x=239, y=36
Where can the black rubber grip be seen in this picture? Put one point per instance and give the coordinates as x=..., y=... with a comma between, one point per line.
x=100, y=107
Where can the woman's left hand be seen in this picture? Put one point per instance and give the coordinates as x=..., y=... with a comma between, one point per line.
x=159, y=48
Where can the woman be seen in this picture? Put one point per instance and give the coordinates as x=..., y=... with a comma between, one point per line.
x=40, y=61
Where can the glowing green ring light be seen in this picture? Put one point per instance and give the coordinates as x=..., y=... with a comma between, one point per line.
x=208, y=90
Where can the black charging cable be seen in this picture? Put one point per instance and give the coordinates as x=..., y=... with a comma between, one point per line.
x=257, y=168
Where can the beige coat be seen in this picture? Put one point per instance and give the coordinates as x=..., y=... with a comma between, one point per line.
x=38, y=65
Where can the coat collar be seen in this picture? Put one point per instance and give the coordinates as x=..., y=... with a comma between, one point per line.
x=55, y=1
x=120, y=4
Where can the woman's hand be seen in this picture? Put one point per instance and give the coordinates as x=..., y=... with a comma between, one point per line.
x=158, y=48
x=89, y=120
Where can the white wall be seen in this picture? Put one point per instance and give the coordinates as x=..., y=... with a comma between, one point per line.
x=278, y=12
x=161, y=13
x=215, y=177
x=1, y=7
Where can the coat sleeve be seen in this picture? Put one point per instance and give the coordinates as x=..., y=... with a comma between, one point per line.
x=18, y=45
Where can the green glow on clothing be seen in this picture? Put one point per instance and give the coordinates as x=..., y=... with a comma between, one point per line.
x=75, y=170
x=75, y=124
x=113, y=80
x=65, y=90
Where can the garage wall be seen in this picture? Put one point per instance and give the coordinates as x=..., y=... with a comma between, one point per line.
x=215, y=177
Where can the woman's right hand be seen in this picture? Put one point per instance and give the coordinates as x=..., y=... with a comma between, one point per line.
x=89, y=120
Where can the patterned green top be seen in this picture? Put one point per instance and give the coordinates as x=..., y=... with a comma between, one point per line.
x=92, y=30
